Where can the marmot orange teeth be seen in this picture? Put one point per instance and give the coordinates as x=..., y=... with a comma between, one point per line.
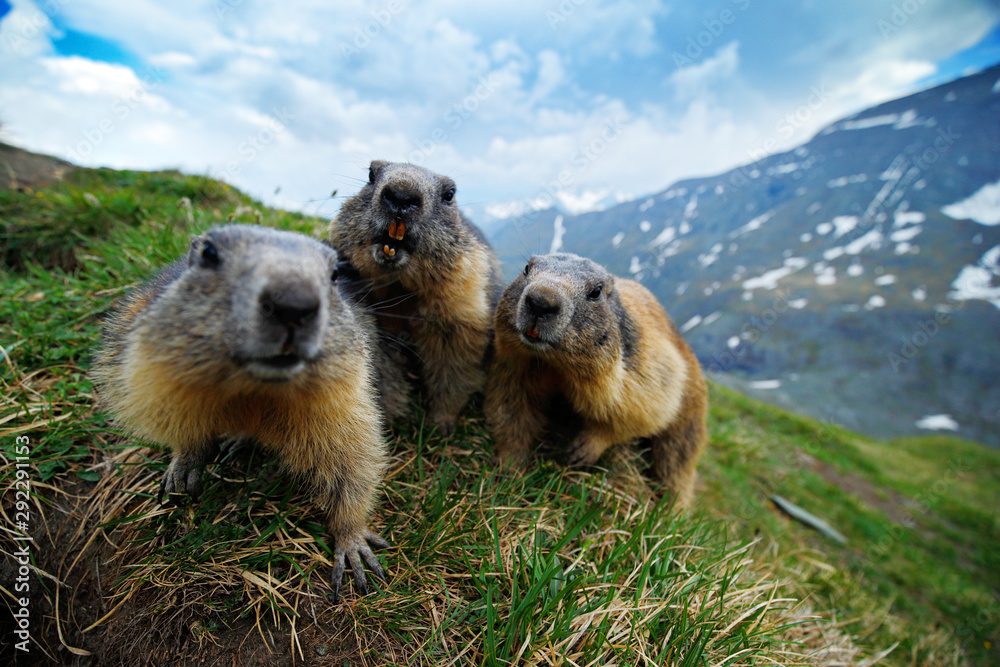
x=397, y=230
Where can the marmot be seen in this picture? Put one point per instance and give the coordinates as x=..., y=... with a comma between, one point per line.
x=248, y=336
x=568, y=329
x=434, y=280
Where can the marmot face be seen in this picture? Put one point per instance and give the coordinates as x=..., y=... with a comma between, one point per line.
x=392, y=219
x=263, y=301
x=561, y=305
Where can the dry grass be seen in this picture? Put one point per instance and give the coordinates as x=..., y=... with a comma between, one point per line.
x=554, y=568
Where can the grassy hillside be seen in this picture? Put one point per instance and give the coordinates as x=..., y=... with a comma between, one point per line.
x=553, y=567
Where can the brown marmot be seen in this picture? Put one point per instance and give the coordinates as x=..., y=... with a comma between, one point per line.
x=248, y=336
x=568, y=329
x=433, y=279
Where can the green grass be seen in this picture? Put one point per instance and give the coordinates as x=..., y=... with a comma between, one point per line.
x=552, y=566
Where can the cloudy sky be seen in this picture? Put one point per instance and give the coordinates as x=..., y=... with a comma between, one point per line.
x=587, y=99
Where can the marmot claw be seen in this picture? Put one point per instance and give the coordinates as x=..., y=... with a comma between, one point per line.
x=356, y=548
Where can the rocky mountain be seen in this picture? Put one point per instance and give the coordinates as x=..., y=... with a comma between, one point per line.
x=855, y=278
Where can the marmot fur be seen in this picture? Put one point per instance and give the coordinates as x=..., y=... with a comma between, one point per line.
x=567, y=328
x=433, y=279
x=248, y=336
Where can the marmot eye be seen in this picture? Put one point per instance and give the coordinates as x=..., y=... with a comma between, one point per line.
x=448, y=195
x=595, y=293
x=371, y=174
x=527, y=267
x=209, y=255
x=334, y=275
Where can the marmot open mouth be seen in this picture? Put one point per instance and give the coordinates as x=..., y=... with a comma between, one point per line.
x=533, y=338
x=395, y=239
x=280, y=360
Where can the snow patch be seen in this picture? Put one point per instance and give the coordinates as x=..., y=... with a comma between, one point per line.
x=824, y=228
x=919, y=294
x=557, y=234
x=977, y=282
x=826, y=275
x=873, y=239
x=781, y=169
x=733, y=342
x=983, y=206
x=942, y=422
x=871, y=121
x=753, y=225
x=666, y=236
x=711, y=256
x=691, y=206
x=904, y=248
x=904, y=218
x=805, y=238
x=691, y=324
x=844, y=224
x=833, y=253
x=769, y=279
x=855, y=270
x=846, y=180
x=908, y=118
x=765, y=384
x=908, y=234
x=684, y=228
x=713, y=317
x=645, y=226
x=875, y=301
x=798, y=304
x=644, y=206
x=617, y=239
x=635, y=266
x=815, y=206
x=887, y=279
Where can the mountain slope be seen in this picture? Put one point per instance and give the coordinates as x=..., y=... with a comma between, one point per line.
x=854, y=278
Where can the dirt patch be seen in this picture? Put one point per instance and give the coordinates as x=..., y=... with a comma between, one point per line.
x=896, y=507
x=22, y=170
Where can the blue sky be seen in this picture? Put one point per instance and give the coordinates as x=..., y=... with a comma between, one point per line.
x=588, y=99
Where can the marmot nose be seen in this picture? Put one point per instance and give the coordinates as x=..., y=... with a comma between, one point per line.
x=541, y=305
x=400, y=201
x=293, y=308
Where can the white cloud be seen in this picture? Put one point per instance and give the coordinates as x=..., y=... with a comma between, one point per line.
x=493, y=94
x=696, y=81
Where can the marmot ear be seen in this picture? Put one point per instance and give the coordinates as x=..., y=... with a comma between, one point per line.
x=195, y=249
x=373, y=169
x=203, y=252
